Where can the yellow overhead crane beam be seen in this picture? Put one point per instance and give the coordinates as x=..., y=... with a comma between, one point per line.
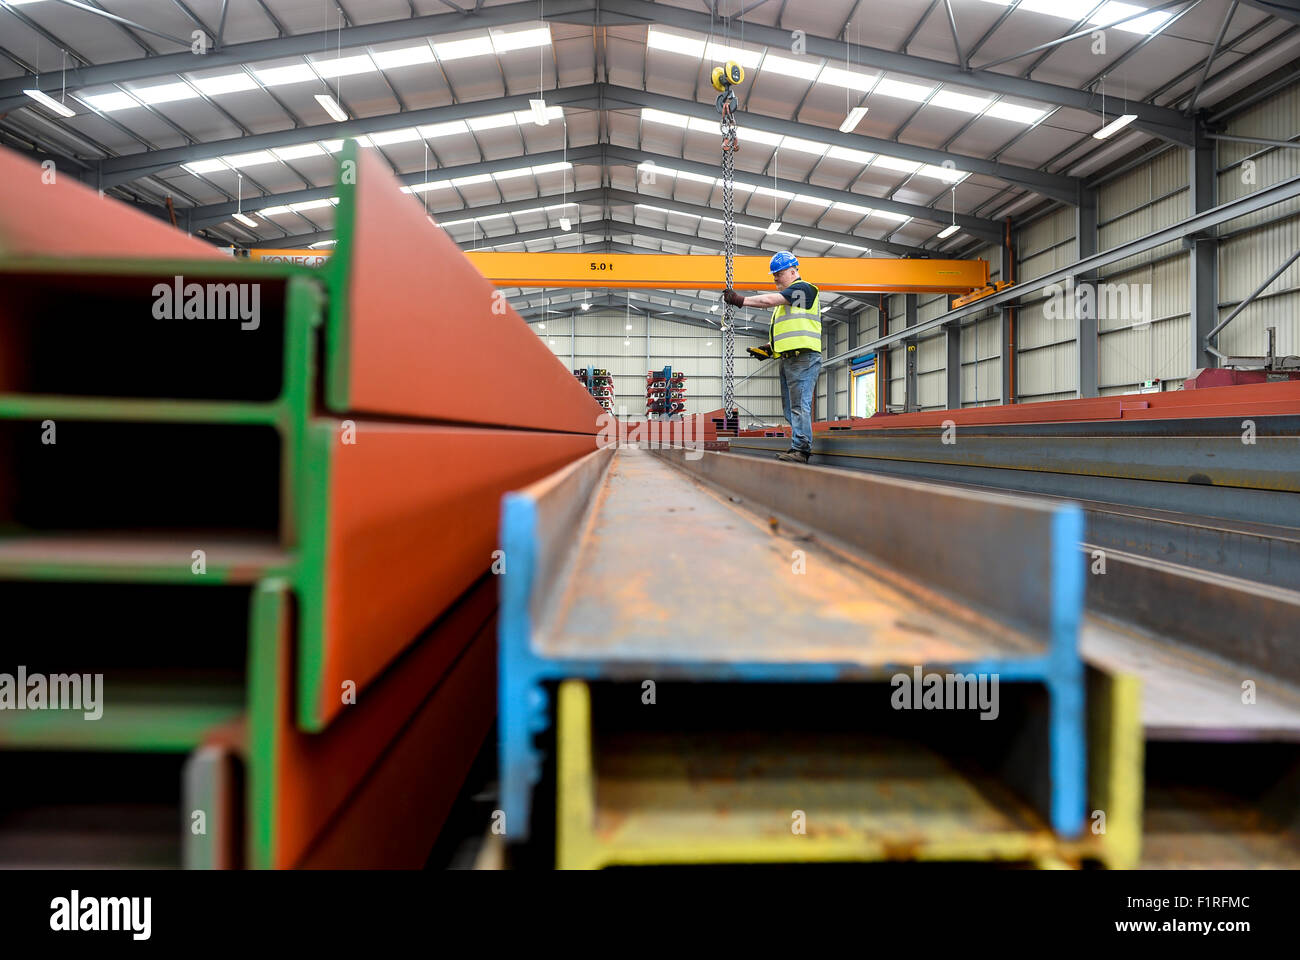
x=657, y=271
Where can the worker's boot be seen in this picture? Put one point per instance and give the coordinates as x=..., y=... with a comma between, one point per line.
x=793, y=456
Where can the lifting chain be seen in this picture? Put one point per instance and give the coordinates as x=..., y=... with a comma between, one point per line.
x=730, y=145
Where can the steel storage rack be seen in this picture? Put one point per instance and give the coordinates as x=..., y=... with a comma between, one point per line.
x=665, y=394
x=600, y=384
x=207, y=512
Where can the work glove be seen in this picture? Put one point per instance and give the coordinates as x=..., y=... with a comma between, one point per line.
x=733, y=298
x=760, y=353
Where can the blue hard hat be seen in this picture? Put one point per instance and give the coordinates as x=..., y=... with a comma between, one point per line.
x=782, y=261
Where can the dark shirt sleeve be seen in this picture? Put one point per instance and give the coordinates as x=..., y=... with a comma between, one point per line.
x=799, y=294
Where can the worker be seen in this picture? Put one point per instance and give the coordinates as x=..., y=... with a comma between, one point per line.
x=795, y=338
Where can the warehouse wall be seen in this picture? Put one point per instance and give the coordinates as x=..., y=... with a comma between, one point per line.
x=1047, y=354
x=1153, y=195
x=1250, y=248
x=600, y=338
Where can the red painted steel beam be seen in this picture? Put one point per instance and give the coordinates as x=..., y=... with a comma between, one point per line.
x=411, y=517
x=45, y=214
x=416, y=331
x=399, y=809
x=1263, y=399
x=302, y=781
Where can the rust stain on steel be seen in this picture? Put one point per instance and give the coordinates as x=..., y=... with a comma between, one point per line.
x=634, y=553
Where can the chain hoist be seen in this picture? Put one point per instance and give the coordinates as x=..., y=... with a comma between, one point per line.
x=725, y=79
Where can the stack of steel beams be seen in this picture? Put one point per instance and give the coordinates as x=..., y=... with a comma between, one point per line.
x=692, y=723
x=1192, y=541
x=270, y=529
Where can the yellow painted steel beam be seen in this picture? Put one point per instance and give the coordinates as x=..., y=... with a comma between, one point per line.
x=656, y=811
x=1116, y=752
x=655, y=271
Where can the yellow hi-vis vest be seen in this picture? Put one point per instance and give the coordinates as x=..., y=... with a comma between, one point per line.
x=797, y=328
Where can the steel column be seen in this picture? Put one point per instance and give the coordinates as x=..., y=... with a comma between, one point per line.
x=1086, y=307
x=1204, y=272
x=910, y=400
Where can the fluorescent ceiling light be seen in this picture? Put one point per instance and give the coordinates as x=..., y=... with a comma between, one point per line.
x=1087, y=11
x=50, y=103
x=330, y=106
x=164, y=93
x=274, y=211
x=947, y=174
x=847, y=78
x=774, y=226
x=587, y=306
x=853, y=119
x=404, y=56
x=294, y=73
x=959, y=101
x=757, y=136
x=803, y=69
x=853, y=156
x=566, y=224
x=521, y=39
x=110, y=101
x=311, y=204
x=492, y=122
x=344, y=66
x=1119, y=123
x=948, y=231
x=893, y=163
x=323, y=243
x=805, y=146
x=245, y=219
x=539, y=112
x=887, y=215
x=915, y=92
x=1014, y=112
x=853, y=208
x=394, y=136
x=249, y=159
x=206, y=166
x=434, y=130
x=470, y=181
x=459, y=49
x=226, y=83
x=657, y=39
x=530, y=116
x=551, y=167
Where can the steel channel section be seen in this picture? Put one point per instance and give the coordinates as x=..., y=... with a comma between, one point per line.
x=544, y=529
x=1250, y=624
x=1191, y=466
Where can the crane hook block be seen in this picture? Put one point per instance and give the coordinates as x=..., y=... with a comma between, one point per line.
x=727, y=76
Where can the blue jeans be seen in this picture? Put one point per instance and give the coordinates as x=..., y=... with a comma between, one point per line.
x=798, y=388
